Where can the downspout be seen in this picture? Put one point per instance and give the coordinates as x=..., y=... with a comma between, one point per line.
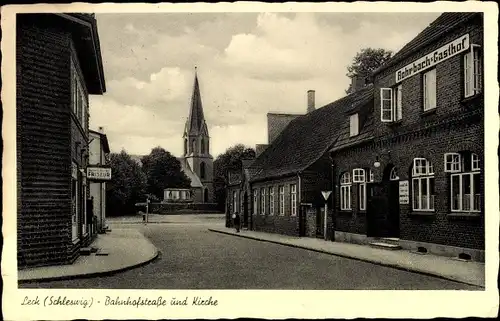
x=334, y=194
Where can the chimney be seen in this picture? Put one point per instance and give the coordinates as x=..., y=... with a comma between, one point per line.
x=357, y=83
x=310, y=101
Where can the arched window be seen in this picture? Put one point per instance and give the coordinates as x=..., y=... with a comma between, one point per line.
x=465, y=178
x=185, y=146
x=202, y=170
x=393, y=175
x=193, y=145
x=345, y=191
x=422, y=185
x=202, y=147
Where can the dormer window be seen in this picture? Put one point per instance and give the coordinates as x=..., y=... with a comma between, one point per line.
x=354, y=125
x=391, y=104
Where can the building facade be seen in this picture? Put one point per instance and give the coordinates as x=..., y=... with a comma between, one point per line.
x=239, y=193
x=98, y=156
x=58, y=65
x=196, y=162
x=416, y=175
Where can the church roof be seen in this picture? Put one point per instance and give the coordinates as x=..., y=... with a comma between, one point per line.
x=195, y=124
x=195, y=180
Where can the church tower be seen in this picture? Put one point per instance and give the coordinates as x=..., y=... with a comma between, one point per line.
x=197, y=145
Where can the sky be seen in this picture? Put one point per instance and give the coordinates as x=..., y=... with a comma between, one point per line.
x=248, y=64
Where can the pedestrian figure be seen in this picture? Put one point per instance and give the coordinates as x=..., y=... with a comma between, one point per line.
x=237, y=222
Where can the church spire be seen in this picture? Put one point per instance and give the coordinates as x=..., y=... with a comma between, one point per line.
x=196, y=122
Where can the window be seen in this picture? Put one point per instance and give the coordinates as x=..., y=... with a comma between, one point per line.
x=281, y=190
x=271, y=200
x=354, y=125
x=345, y=191
x=255, y=201
x=202, y=170
x=393, y=175
x=79, y=100
x=193, y=146
x=452, y=162
x=185, y=146
x=465, y=185
x=202, y=146
x=235, y=202
x=262, y=201
x=362, y=187
x=293, y=199
x=430, y=90
x=371, y=178
x=472, y=72
x=391, y=104
x=422, y=185
x=358, y=175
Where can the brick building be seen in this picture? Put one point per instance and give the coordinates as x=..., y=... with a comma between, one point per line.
x=58, y=64
x=239, y=193
x=293, y=170
x=410, y=170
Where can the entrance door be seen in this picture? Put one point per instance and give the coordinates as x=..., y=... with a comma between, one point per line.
x=245, y=210
x=302, y=221
x=320, y=215
x=383, y=209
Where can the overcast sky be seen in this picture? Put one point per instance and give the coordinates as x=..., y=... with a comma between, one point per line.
x=249, y=64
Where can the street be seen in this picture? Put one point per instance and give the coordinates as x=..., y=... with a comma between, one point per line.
x=191, y=257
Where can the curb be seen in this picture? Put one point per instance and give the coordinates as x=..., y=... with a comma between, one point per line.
x=155, y=256
x=391, y=265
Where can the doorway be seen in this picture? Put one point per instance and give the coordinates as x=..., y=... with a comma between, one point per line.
x=320, y=221
x=383, y=206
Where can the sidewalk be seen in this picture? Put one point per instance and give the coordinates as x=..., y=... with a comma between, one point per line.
x=168, y=219
x=126, y=248
x=448, y=268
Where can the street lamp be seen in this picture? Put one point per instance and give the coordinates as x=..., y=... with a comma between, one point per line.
x=377, y=163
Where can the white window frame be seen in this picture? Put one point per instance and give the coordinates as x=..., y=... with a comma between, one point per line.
x=255, y=201
x=422, y=173
x=358, y=175
x=475, y=162
x=271, y=200
x=353, y=125
x=345, y=192
x=391, y=104
x=452, y=163
x=293, y=199
x=263, y=201
x=472, y=71
x=362, y=196
x=281, y=190
x=430, y=90
x=462, y=197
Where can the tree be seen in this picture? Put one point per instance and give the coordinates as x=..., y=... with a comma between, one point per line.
x=162, y=171
x=367, y=61
x=127, y=185
x=229, y=159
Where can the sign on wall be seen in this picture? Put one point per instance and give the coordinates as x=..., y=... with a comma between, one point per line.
x=404, y=192
x=99, y=173
x=430, y=60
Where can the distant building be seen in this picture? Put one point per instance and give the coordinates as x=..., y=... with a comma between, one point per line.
x=239, y=193
x=98, y=155
x=58, y=64
x=196, y=162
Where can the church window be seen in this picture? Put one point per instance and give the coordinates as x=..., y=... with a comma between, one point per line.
x=193, y=145
x=185, y=146
x=202, y=170
x=202, y=146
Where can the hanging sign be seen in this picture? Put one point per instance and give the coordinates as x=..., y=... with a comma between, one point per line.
x=430, y=60
x=99, y=173
x=404, y=192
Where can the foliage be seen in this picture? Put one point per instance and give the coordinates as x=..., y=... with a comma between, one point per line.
x=229, y=159
x=127, y=185
x=366, y=61
x=162, y=171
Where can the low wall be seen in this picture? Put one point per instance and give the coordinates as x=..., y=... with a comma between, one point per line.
x=179, y=208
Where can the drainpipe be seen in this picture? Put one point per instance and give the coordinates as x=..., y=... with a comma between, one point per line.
x=333, y=195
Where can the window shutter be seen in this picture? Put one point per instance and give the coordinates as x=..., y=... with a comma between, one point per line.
x=386, y=105
x=399, y=106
